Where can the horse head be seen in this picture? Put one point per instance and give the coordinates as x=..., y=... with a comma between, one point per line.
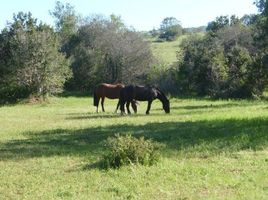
x=166, y=106
x=162, y=97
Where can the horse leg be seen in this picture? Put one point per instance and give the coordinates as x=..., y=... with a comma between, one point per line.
x=134, y=106
x=118, y=104
x=122, y=106
x=148, y=107
x=97, y=106
x=128, y=111
x=102, y=104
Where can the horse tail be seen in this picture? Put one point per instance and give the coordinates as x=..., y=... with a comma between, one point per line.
x=96, y=100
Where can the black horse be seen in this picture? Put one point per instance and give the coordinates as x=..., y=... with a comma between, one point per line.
x=142, y=93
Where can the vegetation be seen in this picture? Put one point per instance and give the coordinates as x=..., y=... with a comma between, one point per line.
x=214, y=150
x=30, y=61
x=170, y=29
x=36, y=60
x=224, y=61
x=125, y=150
x=166, y=52
x=105, y=51
x=210, y=149
x=227, y=61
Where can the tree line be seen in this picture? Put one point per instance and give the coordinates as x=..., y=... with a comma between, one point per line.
x=79, y=53
x=228, y=60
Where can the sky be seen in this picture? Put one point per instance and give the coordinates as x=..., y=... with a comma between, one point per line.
x=143, y=15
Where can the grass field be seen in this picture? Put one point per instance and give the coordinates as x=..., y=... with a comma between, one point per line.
x=166, y=52
x=214, y=150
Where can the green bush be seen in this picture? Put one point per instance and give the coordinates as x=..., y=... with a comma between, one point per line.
x=125, y=150
x=12, y=93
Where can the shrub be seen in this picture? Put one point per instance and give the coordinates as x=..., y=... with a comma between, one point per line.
x=125, y=150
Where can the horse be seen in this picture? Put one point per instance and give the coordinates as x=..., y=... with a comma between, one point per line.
x=142, y=93
x=110, y=91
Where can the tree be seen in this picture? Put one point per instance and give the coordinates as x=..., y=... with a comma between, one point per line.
x=66, y=24
x=223, y=62
x=219, y=23
x=262, y=26
x=261, y=43
x=107, y=51
x=31, y=59
x=170, y=28
x=262, y=5
x=249, y=20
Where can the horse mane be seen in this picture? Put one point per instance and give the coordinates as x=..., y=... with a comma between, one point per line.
x=157, y=89
x=161, y=92
x=117, y=82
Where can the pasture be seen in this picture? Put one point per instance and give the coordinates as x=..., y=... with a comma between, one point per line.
x=169, y=55
x=214, y=150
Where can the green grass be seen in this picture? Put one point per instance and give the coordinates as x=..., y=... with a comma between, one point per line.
x=214, y=150
x=166, y=52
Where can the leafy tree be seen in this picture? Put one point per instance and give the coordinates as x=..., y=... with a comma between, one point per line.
x=223, y=62
x=219, y=23
x=117, y=21
x=107, y=51
x=262, y=5
x=249, y=20
x=66, y=24
x=170, y=28
x=203, y=66
x=262, y=23
x=31, y=60
x=260, y=69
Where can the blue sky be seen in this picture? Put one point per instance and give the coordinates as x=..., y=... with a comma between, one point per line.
x=141, y=14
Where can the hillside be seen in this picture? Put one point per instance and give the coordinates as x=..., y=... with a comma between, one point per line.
x=166, y=51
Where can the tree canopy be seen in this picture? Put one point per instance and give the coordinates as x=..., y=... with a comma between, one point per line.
x=107, y=51
x=228, y=61
x=170, y=28
x=30, y=60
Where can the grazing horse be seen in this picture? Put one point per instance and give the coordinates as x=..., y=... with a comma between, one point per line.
x=142, y=93
x=110, y=91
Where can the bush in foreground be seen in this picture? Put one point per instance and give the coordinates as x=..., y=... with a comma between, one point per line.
x=125, y=150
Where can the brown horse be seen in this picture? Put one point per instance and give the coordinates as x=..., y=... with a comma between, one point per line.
x=112, y=92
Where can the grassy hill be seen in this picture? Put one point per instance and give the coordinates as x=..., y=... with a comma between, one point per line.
x=214, y=150
x=166, y=52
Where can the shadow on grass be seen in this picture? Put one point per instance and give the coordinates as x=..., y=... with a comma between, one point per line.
x=206, y=107
x=212, y=106
x=95, y=165
x=82, y=116
x=74, y=94
x=190, y=138
x=79, y=116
